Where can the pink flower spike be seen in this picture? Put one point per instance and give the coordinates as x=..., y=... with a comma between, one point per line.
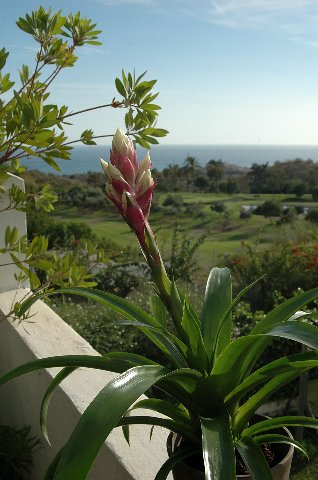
x=129, y=185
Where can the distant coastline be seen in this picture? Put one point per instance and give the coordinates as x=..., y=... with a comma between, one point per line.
x=86, y=158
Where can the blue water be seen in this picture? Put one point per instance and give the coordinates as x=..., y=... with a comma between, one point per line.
x=86, y=158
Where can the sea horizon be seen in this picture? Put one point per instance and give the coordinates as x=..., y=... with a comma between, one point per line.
x=86, y=158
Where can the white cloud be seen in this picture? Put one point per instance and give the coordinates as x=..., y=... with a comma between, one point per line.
x=286, y=14
x=118, y=3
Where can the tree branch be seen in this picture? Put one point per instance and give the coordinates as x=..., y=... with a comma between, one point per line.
x=113, y=104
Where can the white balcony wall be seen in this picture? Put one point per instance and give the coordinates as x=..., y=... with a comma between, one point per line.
x=46, y=334
x=10, y=218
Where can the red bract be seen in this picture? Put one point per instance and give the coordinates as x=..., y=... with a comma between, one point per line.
x=129, y=184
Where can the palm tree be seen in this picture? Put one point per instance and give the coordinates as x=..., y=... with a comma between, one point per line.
x=192, y=166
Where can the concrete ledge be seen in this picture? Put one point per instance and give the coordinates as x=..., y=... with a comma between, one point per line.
x=10, y=218
x=44, y=335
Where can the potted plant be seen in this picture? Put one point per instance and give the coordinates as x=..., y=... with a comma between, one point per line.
x=212, y=389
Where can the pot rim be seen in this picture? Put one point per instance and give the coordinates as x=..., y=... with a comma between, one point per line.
x=285, y=459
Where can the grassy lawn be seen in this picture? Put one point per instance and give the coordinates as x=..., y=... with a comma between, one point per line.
x=224, y=233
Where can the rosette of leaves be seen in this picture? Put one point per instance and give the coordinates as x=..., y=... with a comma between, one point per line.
x=208, y=376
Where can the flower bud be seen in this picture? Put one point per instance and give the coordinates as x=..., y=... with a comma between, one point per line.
x=129, y=185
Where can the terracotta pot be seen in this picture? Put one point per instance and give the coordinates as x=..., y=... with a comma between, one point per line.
x=283, y=453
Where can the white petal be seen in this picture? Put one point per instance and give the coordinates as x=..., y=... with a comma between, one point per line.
x=114, y=173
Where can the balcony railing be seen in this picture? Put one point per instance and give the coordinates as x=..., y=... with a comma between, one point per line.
x=45, y=334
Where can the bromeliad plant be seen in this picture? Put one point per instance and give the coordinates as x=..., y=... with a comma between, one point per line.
x=210, y=376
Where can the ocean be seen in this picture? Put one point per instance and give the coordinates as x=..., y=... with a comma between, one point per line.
x=86, y=158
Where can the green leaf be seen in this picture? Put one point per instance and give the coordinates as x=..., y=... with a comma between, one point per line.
x=177, y=427
x=282, y=365
x=286, y=421
x=149, y=139
x=120, y=305
x=247, y=410
x=49, y=475
x=47, y=397
x=298, y=331
x=166, y=344
x=281, y=313
x=100, y=417
x=276, y=438
x=25, y=26
x=171, y=347
x=113, y=362
x=182, y=384
x=126, y=84
x=285, y=310
x=238, y=359
x=158, y=310
x=3, y=57
x=218, y=297
x=163, y=407
x=219, y=462
x=93, y=42
x=254, y=459
x=175, y=458
x=176, y=310
x=140, y=77
x=194, y=337
x=120, y=87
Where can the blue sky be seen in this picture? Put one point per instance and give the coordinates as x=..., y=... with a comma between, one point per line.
x=229, y=71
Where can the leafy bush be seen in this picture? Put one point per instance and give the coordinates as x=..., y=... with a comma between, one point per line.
x=269, y=209
x=119, y=279
x=245, y=213
x=195, y=209
x=289, y=216
x=173, y=201
x=218, y=207
x=94, y=323
x=287, y=266
x=181, y=264
x=59, y=234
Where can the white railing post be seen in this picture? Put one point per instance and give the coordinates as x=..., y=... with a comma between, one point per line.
x=10, y=218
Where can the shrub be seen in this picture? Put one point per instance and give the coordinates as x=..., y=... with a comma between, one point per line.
x=287, y=266
x=119, y=279
x=181, y=264
x=289, y=216
x=194, y=209
x=245, y=213
x=231, y=187
x=269, y=209
x=173, y=201
x=218, y=207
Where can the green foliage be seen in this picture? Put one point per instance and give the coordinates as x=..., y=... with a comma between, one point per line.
x=288, y=267
x=30, y=125
x=212, y=396
x=142, y=112
x=268, y=209
x=218, y=207
x=96, y=325
x=210, y=377
x=120, y=279
x=182, y=264
x=17, y=448
x=173, y=201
